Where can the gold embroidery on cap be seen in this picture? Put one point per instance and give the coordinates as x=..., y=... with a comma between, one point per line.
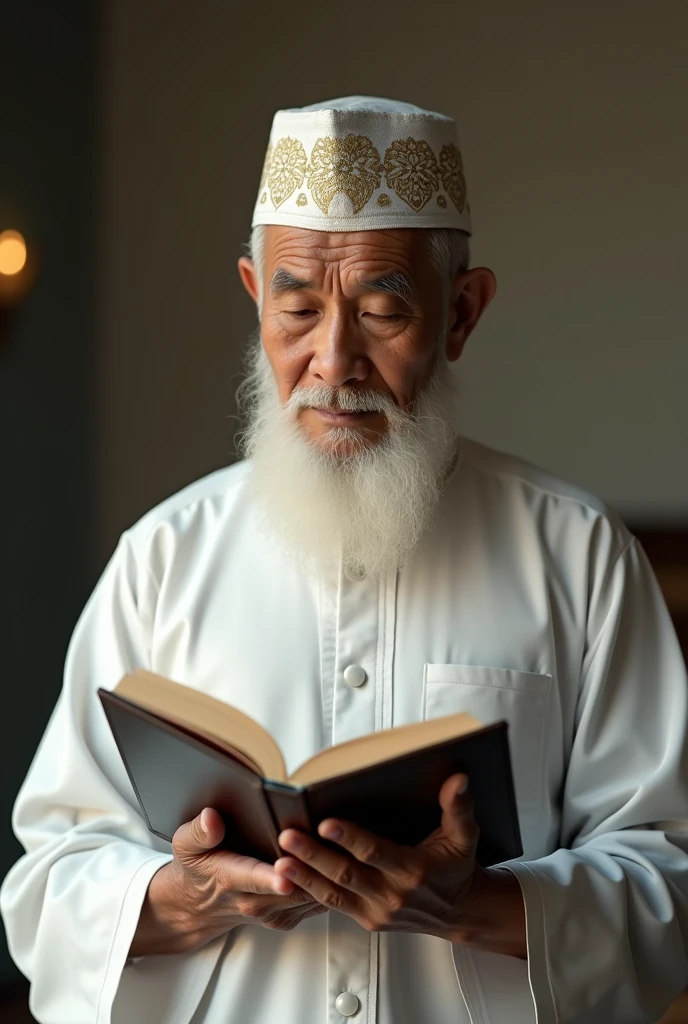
x=287, y=169
x=451, y=172
x=266, y=167
x=351, y=165
x=412, y=171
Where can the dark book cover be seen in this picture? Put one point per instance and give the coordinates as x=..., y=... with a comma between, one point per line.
x=175, y=774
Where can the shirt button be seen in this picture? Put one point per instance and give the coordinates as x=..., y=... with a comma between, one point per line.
x=347, y=1004
x=354, y=675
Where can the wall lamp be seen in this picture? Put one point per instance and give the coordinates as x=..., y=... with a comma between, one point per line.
x=17, y=272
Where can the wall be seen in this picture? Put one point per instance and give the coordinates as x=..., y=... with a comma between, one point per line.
x=47, y=564
x=571, y=120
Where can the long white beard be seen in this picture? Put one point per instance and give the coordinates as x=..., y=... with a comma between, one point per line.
x=369, y=507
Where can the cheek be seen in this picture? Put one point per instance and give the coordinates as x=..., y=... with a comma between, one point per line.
x=403, y=369
x=288, y=359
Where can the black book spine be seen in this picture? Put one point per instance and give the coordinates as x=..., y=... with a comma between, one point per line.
x=288, y=806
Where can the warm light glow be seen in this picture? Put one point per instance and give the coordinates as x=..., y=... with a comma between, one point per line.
x=12, y=253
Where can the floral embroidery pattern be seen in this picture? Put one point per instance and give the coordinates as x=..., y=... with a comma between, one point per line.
x=451, y=172
x=412, y=171
x=351, y=165
x=287, y=169
x=266, y=167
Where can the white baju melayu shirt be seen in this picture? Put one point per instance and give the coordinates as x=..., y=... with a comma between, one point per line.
x=528, y=600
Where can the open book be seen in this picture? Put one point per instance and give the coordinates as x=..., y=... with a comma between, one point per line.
x=185, y=750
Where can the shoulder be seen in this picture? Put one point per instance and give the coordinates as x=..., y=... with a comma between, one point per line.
x=211, y=499
x=519, y=475
x=556, y=507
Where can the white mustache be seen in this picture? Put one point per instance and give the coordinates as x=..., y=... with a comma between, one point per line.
x=323, y=396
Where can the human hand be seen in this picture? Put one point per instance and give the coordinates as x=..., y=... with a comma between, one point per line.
x=435, y=887
x=385, y=886
x=205, y=892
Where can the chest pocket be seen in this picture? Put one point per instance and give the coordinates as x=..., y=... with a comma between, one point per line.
x=492, y=695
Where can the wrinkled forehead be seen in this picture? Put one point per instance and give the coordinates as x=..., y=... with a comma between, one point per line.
x=403, y=250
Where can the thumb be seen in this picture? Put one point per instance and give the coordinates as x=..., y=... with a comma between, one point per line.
x=458, y=824
x=198, y=836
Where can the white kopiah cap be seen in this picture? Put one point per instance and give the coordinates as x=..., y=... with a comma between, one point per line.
x=363, y=163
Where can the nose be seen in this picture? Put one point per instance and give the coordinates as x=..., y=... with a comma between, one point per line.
x=338, y=357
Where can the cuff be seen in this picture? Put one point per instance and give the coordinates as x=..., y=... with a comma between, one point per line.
x=125, y=930
x=539, y=977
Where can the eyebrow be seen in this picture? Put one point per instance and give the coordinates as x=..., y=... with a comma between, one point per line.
x=284, y=281
x=394, y=283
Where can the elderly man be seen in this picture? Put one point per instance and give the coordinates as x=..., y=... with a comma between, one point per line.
x=367, y=567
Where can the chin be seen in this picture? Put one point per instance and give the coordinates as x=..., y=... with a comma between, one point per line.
x=346, y=442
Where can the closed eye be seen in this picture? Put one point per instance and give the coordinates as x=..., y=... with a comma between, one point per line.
x=300, y=312
x=388, y=316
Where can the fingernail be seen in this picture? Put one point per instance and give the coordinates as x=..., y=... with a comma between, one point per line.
x=294, y=842
x=204, y=822
x=332, y=833
x=291, y=872
x=463, y=785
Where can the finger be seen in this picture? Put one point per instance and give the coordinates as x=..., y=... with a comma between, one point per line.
x=237, y=872
x=299, y=897
x=321, y=888
x=340, y=868
x=290, y=919
x=198, y=836
x=458, y=821
x=400, y=862
x=295, y=902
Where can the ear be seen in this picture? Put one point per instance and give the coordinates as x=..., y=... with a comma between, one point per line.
x=249, y=279
x=471, y=294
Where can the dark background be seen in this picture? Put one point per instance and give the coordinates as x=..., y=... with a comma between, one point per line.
x=132, y=136
x=48, y=559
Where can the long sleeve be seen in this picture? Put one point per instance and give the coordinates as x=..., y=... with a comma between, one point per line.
x=607, y=914
x=72, y=902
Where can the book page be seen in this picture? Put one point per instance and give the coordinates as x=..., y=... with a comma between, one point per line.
x=206, y=716
x=381, y=746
